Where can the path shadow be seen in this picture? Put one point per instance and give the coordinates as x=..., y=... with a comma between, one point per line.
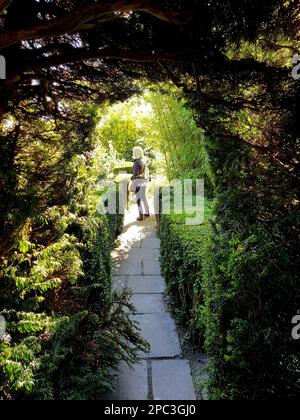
x=134, y=232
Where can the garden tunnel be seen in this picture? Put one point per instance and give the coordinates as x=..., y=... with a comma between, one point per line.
x=233, y=65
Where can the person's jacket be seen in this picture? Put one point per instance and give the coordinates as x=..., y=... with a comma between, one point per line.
x=139, y=169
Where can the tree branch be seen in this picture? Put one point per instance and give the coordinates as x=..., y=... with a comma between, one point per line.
x=79, y=55
x=4, y=5
x=79, y=18
x=177, y=82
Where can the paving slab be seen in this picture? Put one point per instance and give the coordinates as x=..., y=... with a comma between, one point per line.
x=132, y=383
x=151, y=268
x=139, y=258
x=151, y=243
x=144, y=254
x=128, y=268
x=136, y=244
x=137, y=267
x=172, y=380
x=159, y=330
x=146, y=284
x=148, y=303
x=119, y=282
x=149, y=233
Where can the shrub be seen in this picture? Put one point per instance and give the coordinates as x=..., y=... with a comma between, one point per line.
x=250, y=292
x=85, y=349
x=125, y=167
x=239, y=292
x=251, y=279
x=46, y=357
x=182, y=253
x=65, y=328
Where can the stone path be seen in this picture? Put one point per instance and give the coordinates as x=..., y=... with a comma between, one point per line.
x=163, y=374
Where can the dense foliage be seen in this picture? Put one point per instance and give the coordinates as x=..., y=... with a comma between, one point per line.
x=223, y=290
x=182, y=259
x=233, y=61
x=175, y=135
x=123, y=126
x=160, y=121
x=251, y=284
x=66, y=329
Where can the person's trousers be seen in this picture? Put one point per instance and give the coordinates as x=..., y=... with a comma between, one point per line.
x=142, y=201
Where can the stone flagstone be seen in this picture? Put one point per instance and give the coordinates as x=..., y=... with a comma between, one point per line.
x=159, y=330
x=148, y=303
x=151, y=243
x=139, y=254
x=162, y=373
x=146, y=284
x=128, y=268
x=119, y=282
x=172, y=380
x=151, y=268
x=132, y=384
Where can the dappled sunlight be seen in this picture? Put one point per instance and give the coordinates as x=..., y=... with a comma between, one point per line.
x=193, y=105
x=133, y=233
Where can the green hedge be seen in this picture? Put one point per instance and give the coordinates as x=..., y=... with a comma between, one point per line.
x=239, y=294
x=125, y=167
x=182, y=254
x=251, y=292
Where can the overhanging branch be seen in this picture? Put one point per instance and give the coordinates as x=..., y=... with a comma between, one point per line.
x=79, y=55
x=78, y=19
x=4, y=5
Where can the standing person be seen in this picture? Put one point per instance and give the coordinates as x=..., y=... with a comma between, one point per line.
x=140, y=183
